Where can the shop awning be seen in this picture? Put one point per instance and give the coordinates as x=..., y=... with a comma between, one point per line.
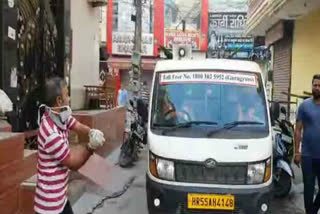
x=148, y=64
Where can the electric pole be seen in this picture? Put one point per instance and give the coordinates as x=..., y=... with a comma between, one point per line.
x=135, y=83
x=135, y=73
x=138, y=26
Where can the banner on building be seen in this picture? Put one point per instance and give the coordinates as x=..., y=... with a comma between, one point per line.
x=228, y=6
x=226, y=35
x=182, y=23
x=123, y=43
x=178, y=37
x=123, y=11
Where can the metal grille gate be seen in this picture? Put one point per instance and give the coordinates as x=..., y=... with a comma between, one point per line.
x=43, y=49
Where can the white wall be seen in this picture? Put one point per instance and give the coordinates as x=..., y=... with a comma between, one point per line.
x=103, y=24
x=85, y=50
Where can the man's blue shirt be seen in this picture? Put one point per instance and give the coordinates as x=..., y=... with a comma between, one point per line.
x=309, y=115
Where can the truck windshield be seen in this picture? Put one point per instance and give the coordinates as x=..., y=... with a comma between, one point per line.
x=195, y=104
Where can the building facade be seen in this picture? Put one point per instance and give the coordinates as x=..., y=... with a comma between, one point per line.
x=165, y=23
x=45, y=39
x=227, y=22
x=305, y=54
x=292, y=28
x=84, y=69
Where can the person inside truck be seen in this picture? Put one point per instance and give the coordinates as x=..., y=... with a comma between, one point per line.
x=166, y=113
x=243, y=105
x=251, y=102
x=186, y=112
x=231, y=108
x=170, y=113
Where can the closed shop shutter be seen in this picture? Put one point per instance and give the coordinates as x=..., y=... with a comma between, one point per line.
x=282, y=69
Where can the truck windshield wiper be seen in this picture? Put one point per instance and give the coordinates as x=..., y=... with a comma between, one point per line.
x=232, y=125
x=188, y=125
x=160, y=126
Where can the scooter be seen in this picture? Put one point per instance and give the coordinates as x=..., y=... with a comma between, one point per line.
x=283, y=156
x=137, y=136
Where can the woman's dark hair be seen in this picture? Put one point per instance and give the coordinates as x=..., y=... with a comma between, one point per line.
x=53, y=89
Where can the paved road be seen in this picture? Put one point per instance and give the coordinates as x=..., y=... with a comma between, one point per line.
x=124, y=198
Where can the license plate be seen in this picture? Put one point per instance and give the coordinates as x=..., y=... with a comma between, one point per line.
x=211, y=202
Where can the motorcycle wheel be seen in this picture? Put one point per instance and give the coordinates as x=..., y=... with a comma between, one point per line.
x=282, y=186
x=135, y=153
x=126, y=156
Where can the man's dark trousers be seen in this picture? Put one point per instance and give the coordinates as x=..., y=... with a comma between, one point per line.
x=67, y=209
x=309, y=179
x=316, y=171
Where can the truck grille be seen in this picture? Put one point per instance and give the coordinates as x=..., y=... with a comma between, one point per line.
x=231, y=174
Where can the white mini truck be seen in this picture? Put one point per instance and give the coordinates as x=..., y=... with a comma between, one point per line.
x=209, y=137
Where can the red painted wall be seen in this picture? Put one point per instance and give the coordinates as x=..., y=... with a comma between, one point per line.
x=158, y=24
x=109, y=41
x=204, y=25
x=109, y=26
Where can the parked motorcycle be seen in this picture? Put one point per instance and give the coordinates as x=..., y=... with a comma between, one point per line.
x=283, y=156
x=137, y=136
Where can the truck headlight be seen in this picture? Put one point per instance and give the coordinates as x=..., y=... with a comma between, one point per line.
x=259, y=173
x=165, y=169
x=161, y=168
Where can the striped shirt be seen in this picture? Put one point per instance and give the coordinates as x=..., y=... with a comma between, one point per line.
x=52, y=177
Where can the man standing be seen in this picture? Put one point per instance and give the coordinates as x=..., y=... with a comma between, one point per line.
x=122, y=96
x=55, y=157
x=308, y=123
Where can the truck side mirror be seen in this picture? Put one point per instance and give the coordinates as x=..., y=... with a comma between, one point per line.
x=270, y=75
x=274, y=112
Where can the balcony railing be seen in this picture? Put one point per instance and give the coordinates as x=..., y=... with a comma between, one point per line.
x=254, y=5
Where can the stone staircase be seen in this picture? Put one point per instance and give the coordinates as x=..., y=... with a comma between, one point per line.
x=18, y=166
